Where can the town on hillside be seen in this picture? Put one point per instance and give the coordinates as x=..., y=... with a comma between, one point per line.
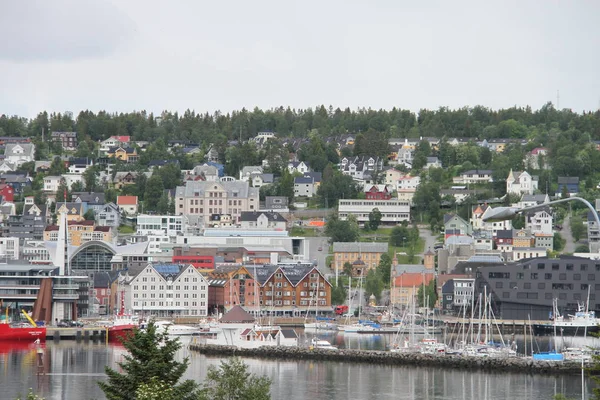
x=137, y=213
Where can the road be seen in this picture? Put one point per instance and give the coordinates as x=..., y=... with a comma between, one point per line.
x=429, y=238
x=566, y=234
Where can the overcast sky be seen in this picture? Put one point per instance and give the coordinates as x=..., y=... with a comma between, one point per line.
x=224, y=55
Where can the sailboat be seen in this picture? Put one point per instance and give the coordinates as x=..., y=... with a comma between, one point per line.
x=320, y=323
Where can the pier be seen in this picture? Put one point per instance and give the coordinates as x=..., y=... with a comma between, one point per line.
x=497, y=365
x=75, y=333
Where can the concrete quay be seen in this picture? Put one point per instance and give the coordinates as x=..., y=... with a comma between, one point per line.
x=496, y=365
x=74, y=333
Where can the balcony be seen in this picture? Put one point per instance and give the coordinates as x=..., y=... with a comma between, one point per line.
x=63, y=296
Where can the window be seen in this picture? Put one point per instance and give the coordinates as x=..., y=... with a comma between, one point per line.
x=577, y=277
x=506, y=295
x=569, y=267
x=591, y=277
x=498, y=285
x=547, y=276
x=500, y=275
x=534, y=275
x=520, y=275
x=555, y=267
x=584, y=286
x=583, y=267
x=527, y=285
x=541, y=285
x=541, y=266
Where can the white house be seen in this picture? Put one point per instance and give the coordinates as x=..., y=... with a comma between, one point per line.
x=529, y=200
x=80, y=165
x=262, y=220
x=392, y=176
x=474, y=176
x=51, y=183
x=539, y=221
x=360, y=168
x=408, y=182
x=248, y=172
x=520, y=182
x=70, y=179
x=19, y=153
x=298, y=166
x=169, y=225
x=168, y=291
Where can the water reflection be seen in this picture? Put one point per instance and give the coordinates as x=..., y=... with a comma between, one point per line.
x=71, y=371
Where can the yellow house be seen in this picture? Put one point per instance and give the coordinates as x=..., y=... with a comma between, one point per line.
x=74, y=211
x=80, y=232
x=351, y=252
x=522, y=238
x=127, y=154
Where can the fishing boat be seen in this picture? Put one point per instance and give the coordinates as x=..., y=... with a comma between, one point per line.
x=581, y=323
x=320, y=344
x=20, y=331
x=122, y=325
x=176, y=329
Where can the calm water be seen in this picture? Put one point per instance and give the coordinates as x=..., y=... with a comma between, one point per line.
x=72, y=370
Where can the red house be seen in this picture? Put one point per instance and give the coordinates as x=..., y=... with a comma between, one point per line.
x=377, y=192
x=7, y=192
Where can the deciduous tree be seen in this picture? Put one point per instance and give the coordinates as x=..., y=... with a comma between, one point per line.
x=232, y=381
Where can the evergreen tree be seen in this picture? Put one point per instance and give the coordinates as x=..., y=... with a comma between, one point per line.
x=150, y=358
x=232, y=381
x=153, y=192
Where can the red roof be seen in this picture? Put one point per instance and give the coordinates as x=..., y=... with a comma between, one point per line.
x=410, y=279
x=122, y=139
x=127, y=200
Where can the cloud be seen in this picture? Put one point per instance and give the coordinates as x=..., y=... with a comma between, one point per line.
x=62, y=30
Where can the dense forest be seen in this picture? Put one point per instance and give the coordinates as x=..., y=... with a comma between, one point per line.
x=476, y=122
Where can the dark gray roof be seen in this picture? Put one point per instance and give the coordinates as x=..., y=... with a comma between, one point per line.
x=253, y=216
x=505, y=234
x=568, y=180
x=237, y=315
x=105, y=279
x=300, y=180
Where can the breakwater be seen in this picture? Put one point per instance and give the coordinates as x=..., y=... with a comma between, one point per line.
x=490, y=364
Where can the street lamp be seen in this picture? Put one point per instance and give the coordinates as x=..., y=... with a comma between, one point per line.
x=505, y=213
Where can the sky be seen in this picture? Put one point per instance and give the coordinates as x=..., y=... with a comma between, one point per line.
x=121, y=56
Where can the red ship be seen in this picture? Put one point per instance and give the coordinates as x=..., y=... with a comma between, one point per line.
x=122, y=325
x=25, y=333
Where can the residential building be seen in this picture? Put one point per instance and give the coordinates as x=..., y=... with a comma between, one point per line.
x=392, y=211
x=539, y=221
x=593, y=231
x=262, y=220
x=360, y=168
x=520, y=182
x=368, y=253
x=168, y=291
x=522, y=238
x=105, y=292
x=304, y=187
x=453, y=222
x=377, y=192
x=207, y=198
x=408, y=183
x=568, y=184
x=433, y=162
x=207, y=172
x=109, y=215
x=392, y=176
x=128, y=204
x=9, y=249
x=168, y=225
x=6, y=191
x=406, y=195
x=114, y=141
x=537, y=158
x=93, y=200
x=543, y=240
x=481, y=212
x=405, y=287
x=52, y=183
x=19, y=153
x=474, y=176
x=80, y=232
x=74, y=211
x=6, y=210
x=123, y=178
x=18, y=181
x=262, y=180
x=529, y=200
x=248, y=172
x=298, y=166
x=460, y=194
x=68, y=140
x=526, y=289
x=80, y=165
x=71, y=179
x=276, y=203
x=126, y=154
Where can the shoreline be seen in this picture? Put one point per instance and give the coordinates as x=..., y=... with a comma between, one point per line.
x=514, y=364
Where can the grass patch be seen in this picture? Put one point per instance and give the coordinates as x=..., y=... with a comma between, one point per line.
x=306, y=232
x=124, y=229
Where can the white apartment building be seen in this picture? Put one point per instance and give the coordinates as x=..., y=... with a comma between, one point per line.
x=169, y=225
x=392, y=211
x=51, y=183
x=539, y=221
x=207, y=198
x=9, y=248
x=408, y=183
x=168, y=291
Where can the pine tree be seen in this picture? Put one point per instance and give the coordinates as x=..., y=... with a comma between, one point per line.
x=151, y=358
